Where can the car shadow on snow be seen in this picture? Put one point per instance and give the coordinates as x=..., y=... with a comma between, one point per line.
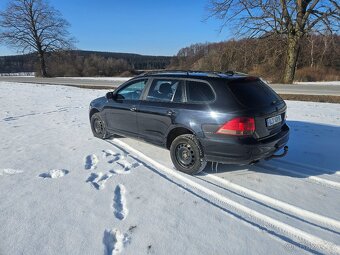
x=314, y=149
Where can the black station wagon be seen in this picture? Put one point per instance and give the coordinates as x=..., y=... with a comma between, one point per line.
x=200, y=117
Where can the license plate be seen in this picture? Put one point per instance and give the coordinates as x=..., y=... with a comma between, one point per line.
x=273, y=120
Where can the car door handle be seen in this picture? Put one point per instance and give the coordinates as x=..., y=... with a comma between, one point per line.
x=170, y=113
x=133, y=109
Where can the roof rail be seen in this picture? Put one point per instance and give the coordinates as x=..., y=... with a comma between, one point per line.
x=188, y=72
x=165, y=71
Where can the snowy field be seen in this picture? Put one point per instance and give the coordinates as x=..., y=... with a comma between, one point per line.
x=335, y=83
x=65, y=192
x=121, y=79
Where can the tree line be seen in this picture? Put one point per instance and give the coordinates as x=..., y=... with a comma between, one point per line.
x=319, y=57
x=83, y=63
x=292, y=21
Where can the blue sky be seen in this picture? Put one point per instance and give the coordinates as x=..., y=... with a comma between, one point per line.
x=145, y=27
x=154, y=27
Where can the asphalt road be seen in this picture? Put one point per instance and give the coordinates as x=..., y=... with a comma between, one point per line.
x=312, y=89
x=83, y=83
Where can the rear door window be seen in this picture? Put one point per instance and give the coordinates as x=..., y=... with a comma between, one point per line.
x=252, y=93
x=165, y=91
x=198, y=92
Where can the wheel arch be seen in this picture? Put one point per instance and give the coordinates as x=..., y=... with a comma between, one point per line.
x=175, y=132
x=93, y=111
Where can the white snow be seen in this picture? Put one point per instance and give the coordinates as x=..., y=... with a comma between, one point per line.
x=10, y=172
x=284, y=206
x=121, y=79
x=22, y=74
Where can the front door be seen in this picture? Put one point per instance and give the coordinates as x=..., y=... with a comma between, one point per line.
x=120, y=113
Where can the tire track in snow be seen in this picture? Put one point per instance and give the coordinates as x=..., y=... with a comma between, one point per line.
x=313, y=169
x=329, y=222
x=301, y=237
x=315, y=179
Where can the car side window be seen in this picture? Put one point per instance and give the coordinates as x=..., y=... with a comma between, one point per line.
x=164, y=90
x=132, y=91
x=199, y=92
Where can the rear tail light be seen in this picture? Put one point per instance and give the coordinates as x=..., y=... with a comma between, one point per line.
x=241, y=126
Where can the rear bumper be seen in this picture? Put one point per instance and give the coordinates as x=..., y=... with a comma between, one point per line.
x=235, y=150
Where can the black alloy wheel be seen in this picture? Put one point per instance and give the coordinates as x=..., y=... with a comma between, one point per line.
x=98, y=126
x=187, y=154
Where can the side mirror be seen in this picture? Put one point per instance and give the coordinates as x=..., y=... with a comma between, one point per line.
x=109, y=95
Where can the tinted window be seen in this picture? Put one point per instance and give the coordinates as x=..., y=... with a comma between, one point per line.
x=164, y=90
x=132, y=91
x=253, y=93
x=178, y=97
x=199, y=92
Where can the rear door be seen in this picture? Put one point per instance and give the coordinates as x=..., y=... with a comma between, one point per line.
x=262, y=103
x=159, y=108
x=120, y=113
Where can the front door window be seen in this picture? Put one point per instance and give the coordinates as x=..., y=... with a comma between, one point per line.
x=132, y=91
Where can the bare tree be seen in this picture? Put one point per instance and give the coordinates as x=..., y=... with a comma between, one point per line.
x=34, y=26
x=291, y=18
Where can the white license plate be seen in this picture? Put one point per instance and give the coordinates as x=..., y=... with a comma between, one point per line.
x=273, y=120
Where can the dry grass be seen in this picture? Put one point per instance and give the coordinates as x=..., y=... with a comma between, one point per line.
x=317, y=74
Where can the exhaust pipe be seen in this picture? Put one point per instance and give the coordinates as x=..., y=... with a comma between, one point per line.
x=284, y=153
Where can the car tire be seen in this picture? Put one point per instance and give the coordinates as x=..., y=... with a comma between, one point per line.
x=98, y=127
x=187, y=154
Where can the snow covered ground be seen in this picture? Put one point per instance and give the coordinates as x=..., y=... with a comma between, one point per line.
x=122, y=79
x=65, y=192
x=336, y=83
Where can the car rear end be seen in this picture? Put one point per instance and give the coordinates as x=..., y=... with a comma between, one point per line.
x=249, y=126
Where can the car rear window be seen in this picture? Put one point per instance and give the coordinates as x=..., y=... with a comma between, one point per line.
x=252, y=93
x=199, y=92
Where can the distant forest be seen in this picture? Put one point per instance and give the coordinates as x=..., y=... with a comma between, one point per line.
x=319, y=60
x=84, y=63
x=319, y=57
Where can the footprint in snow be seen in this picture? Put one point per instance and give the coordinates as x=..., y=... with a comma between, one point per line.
x=119, y=203
x=112, y=156
x=91, y=162
x=8, y=171
x=124, y=167
x=98, y=180
x=10, y=118
x=108, y=153
x=55, y=173
x=113, y=160
x=114, y=241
